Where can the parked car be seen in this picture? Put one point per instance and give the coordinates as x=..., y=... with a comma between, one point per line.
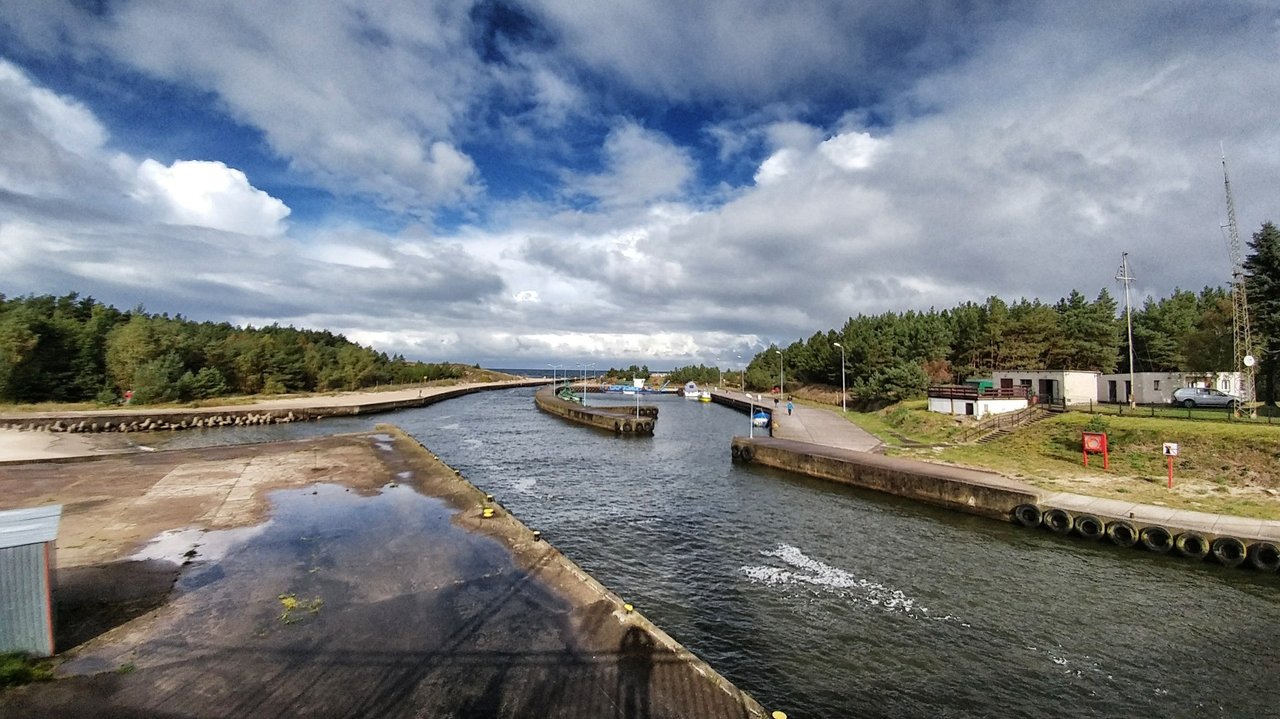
x=1204, y=397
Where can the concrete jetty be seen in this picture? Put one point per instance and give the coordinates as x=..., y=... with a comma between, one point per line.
x=385, y=585
x=819, y=443
x=273, y=411
x=619, y=419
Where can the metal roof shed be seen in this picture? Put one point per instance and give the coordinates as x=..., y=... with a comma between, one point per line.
x=26, y=579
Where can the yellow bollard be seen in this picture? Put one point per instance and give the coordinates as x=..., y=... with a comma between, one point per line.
x=779, y=715
x=628, y=607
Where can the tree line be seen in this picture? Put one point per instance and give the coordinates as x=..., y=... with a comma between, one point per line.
x=894, y=356
x=74, y=349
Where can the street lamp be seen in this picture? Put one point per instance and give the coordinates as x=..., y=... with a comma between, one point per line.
x=782, y=387
x=719, y=374
x=742, y=379
x=837, y=344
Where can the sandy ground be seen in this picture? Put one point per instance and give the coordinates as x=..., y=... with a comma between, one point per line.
x=408, y=602
x=17, y=445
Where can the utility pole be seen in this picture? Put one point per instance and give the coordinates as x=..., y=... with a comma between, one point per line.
x=1240, y=305
x=1124, y=276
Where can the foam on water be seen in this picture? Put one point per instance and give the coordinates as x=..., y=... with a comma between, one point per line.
x=801, y=569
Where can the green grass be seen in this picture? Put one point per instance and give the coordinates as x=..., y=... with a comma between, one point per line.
x=1223, y=467
x=17, y=668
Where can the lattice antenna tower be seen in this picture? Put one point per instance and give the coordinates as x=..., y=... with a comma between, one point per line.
x=1240, y=305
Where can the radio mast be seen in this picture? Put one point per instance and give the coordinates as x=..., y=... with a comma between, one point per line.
x=1124, y=276
x=1240, y=305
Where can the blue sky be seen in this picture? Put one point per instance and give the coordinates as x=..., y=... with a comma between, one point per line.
x=548, y=181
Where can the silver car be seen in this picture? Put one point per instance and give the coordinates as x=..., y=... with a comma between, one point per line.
x=1204, y=397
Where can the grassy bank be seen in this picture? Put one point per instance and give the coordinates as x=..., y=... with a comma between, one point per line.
x=1230, y=468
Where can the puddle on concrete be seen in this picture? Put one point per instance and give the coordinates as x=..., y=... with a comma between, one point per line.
x=195, y=544
x=329, y=550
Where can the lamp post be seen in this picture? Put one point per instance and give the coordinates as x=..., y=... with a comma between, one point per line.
x=719, y=374
x=751, y=417
x=592, y=368
x=837, y=344
x=742, y=378
x=782, y=387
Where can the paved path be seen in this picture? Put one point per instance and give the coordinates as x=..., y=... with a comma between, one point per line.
x=812, y=424
x=826, y=427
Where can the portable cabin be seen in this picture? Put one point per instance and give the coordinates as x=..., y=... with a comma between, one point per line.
x=27, y=564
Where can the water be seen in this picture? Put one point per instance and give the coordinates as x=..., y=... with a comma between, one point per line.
x=825, y=601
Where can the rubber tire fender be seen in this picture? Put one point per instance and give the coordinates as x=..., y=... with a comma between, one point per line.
x=1057, y=520
x=1264, y=556
x=1229, y=551
x=748, y=453
x=626, y=427
x=735, y=451
x=1028, y=515
x=1192, y=545
x=617, y=427
x=1156, y=538
x=1089, y=527
x=1122, y=534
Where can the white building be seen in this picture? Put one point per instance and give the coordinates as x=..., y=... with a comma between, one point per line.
x=972, y=402
x=1073, y=386
x=1158, y=387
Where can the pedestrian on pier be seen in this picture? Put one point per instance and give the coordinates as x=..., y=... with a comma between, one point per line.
x=790, y=407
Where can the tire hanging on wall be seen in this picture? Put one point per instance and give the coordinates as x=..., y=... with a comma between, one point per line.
x=1057, y=520
x=1264, y=556
x=1028, y=515
x=1229, y=551
x=1156, y=539
x=1122, y=534
x=748, y=453
x=1192, y=545
x=735, y=451
x=626, y=426
x=1090, y=527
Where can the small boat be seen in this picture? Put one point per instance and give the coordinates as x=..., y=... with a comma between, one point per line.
x=691, y=390
x=760, y=419
x=704, y=396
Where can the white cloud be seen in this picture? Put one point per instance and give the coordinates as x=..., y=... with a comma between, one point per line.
x=640, y=166
x=209, y=194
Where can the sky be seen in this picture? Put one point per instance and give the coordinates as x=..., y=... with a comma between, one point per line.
x=517, y=184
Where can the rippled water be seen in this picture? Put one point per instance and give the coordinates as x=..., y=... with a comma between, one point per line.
x=825, y=601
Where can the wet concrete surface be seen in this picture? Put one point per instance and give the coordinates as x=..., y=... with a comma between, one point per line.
x=377, y=592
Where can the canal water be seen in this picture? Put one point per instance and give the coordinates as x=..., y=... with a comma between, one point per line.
x=825, y=601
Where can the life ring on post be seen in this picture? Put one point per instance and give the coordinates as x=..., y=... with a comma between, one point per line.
x=1090, y=527
x=1156, y=539
x=1264, y=556
x=1229, y=550
x=1028, y=515
x=1057, y=520
x=1122, y=534
x=1192, y=545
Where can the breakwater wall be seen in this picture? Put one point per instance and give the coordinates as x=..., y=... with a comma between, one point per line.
x=1230, y=541
x=616, y=419
x=1196, y=536
x=981, y=493
x=149, y=420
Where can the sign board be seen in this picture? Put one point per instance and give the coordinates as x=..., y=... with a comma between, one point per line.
x=1171, y=449
x=1095, y=443
x=638, y=383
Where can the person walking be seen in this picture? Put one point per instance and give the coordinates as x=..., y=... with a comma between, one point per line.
x=790, y=407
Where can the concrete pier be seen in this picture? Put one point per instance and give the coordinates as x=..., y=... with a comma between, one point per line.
x=381, y=588
x=280, y=411
x=622, y=420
